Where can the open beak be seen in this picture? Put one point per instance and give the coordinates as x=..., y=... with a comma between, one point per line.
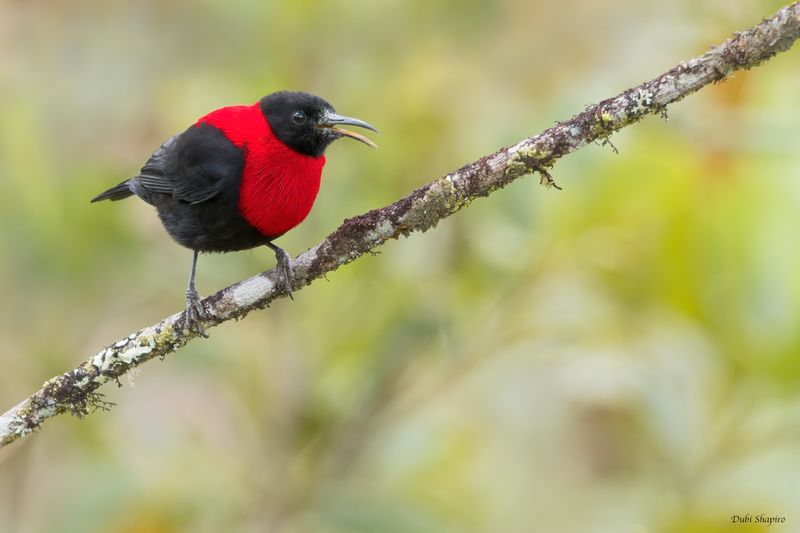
x=332, y=121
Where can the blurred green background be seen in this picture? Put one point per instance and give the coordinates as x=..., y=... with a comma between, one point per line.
x=621, y=356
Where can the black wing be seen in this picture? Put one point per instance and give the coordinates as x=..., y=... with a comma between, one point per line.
x=151, y=177
x=193, y=166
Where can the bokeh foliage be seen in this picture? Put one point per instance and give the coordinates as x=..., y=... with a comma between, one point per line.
x=618, y=356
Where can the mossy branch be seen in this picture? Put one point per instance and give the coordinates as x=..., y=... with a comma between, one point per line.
x=76, y=391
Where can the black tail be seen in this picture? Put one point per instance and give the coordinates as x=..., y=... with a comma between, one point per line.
x=115, y=193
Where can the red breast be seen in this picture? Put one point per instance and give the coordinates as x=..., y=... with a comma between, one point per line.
x=279, y=185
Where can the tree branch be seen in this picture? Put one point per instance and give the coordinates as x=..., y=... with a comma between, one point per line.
x=75, y=391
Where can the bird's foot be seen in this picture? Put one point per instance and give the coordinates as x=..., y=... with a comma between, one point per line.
x=195, y=313
x=285, y=271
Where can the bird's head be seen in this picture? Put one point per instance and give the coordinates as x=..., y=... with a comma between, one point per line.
x=307, y=123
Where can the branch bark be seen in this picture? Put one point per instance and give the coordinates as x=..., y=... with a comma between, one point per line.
x=76, y=391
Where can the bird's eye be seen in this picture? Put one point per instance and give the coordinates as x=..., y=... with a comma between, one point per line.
x=299, y=117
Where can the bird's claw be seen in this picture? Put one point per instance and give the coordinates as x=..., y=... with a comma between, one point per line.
x=194, y=314
x=285, y=272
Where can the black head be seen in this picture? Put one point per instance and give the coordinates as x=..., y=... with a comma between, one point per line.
x=307, y=123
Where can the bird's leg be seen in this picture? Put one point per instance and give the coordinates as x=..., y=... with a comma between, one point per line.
x=284, y=268
x=194, y=312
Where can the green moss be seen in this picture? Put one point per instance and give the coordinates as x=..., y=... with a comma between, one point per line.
x=440, y=200
x=527, y=161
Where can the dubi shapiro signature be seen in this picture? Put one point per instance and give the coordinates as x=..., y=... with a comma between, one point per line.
x=757, y=519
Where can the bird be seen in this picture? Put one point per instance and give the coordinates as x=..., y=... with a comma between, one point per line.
x=238, y=178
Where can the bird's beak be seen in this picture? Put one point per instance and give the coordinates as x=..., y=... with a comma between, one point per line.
x=332, y=121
